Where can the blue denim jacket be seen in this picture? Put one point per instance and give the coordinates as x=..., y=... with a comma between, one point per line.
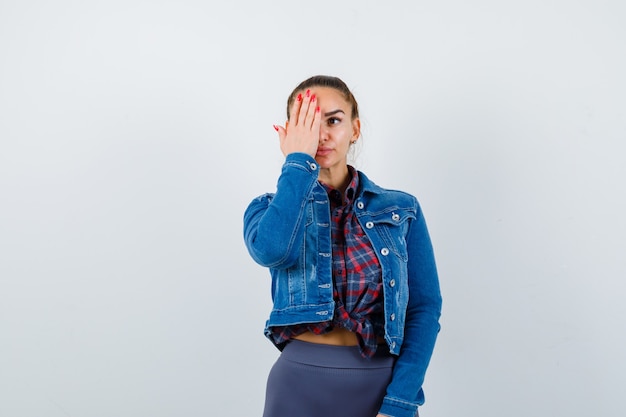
x=289, y=232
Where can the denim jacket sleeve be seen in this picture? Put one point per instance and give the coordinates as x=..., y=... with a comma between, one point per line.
x=404, y=393
x=274, y=223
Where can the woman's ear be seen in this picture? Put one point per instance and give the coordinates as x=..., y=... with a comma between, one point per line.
x=356, y=129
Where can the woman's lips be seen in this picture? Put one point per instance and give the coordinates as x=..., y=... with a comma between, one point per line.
x=323, y=151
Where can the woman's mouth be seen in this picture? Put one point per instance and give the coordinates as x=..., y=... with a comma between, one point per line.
x=323, y=151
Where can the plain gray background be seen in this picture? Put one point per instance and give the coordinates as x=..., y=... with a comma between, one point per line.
x=134, y=134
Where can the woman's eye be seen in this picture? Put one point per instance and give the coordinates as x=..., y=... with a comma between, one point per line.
x=333, y=121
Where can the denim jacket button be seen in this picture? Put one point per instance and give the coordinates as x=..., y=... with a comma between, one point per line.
x=384, y=251
x=313, y=166
x=369, y=225
x=360, y=205
x=392, y=317
x=395, y=217
x=392, y=283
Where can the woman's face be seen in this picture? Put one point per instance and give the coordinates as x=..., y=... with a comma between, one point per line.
x=337, y=129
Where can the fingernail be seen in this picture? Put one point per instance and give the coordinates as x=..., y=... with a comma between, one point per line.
x=313, y=97
x=308, y=93
x=275, y=128
x=299, y=98
x=317, y=109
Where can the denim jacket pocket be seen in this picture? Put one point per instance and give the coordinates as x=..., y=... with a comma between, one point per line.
x=392, y=228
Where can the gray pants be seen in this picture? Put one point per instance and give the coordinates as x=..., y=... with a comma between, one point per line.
x=315, y=380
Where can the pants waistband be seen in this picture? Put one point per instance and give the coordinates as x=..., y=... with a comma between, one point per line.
x=318, y=354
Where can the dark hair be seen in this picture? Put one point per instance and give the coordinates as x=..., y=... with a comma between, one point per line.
x=325, y=81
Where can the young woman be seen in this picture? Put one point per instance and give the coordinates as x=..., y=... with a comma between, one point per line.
x=356, y=300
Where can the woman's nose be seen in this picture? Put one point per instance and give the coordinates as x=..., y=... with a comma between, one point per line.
x=323, y=133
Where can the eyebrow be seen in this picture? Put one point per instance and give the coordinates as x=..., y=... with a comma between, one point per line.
x=330, y=113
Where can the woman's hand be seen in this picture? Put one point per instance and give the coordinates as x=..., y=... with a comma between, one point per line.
x=302, y=132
